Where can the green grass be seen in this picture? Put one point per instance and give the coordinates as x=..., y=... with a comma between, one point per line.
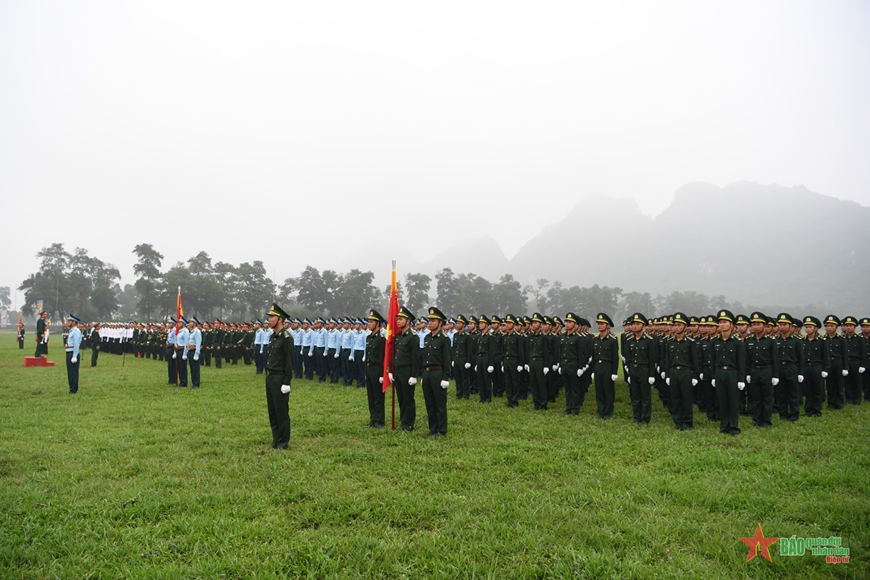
x=133, y=478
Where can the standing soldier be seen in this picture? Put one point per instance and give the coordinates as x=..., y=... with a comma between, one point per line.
x=194, y=347
x=279, y=373
x=41, y=328
x=346, y=355
x=181, y=341
x=171, y=359
x=681, y=373
x=729, y=363
x=436, y=374
x=73, y=343
x=605, y=361
x=818, y=366
x=791, y=363
x=762, y=370
x=514, y=361
x=374, y=357
x=407, y=368
x=706, y=329
x=641, y=362
x=865, y=336
x=570, y=351
x=20, y=336
x=460, y=359
x=839, y=363
x=482, y=363
x=857, y=360
x=95, y=344
x=538, y=363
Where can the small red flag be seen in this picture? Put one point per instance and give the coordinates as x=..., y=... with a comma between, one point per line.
x=179, y=312
x=392, y=315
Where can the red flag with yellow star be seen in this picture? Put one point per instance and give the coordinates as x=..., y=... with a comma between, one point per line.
x=392, y=315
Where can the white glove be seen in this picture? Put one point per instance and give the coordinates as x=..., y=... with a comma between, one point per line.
x=412, y=381
x=861, y=370
x=173, y=357
x=774, y=381
x=196, y=357
x=325, y=353
x=445, y=384
x=350, y=357
x=335, y=355
x=468, y=365
x=824, y=374
x=519, y=368
x=453, y=364
x=845, y=373
x=560, y=370
x=546, y=370
x=300, y=349
x=475, y=368
x=489, y=369
x=667, y=381
x=652, y=380
x=800, y=378
x=713, y=382
x=310, y=353
x=526, y=367
x=702, y=376
x=748, y=379
x=502, y=367
x=663, y=376
x=579, y=372
x=285, y=389
x=555, y=367
x=694, y=382
x=381, y=380
x=74, y=360
x=628, y=380
x=741, y=386
x=391, y=377
x=593, y=376
x=184, y=356
x=614, y=377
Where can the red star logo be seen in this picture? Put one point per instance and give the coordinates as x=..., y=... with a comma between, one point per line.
x=758, y=540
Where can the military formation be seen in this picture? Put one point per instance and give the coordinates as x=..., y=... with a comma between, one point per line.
x=725, y=365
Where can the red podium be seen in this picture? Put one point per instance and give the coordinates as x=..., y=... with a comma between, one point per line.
x=37, y=361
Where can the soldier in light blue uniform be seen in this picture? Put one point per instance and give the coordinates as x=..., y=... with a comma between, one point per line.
x=346, y=354
x=296, y=334
x=319, y=344
x=194, y=346
x=170, y=351
x=261, y=344
x=181, y=339
x=333, y=350
x=73, y=344
x=359, y=352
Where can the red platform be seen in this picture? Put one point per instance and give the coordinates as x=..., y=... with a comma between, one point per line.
x=33, y=361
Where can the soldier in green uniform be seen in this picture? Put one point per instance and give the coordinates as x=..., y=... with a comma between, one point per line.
x=40, y=334
x=407, y=368
x=461, y=364
x=817, y=366
x=791, y=362
x=436, y=373
x=865, y=336
x=605, y=369
x=374, y=357
x=681, y=372
x=570, y=353
x=641, y=362
x=482, y=364
x=729, y=364
x=497, y=356
x=762, y=370
x=857, y=360
x=839, y=363
x=95, y=344
x=514, y=360
x=279, y=373
x=538, y=369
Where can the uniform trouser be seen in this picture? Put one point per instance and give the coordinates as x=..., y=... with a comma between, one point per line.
x=347, y=366
x=484, y=378
x=246, y=354
x=760, y=396
x=435, y=397
x=729, y=400
x=605, y=391
x=95, y=354
x=865, y=381
x=585, y=381
x=170, y=364
x=497, y=377
x=641, y=393
x=813, y=389
x=511, y=381
x=206, y=356
x=743, y=403
x=572, y=386
x=308, y=357
x=474, y=388
x=20, y=344
x=853, y=384
x=681, y=398
x=333, y=361
x=218, y=357
x=320, y=363
x=461, y=374
x=38, y=351
x=194, y=370
x=360, y=367
x=538, y=383
x=711, y=396
x=259, y=358
x=405, y=395
x=375, y=392
x=787, y=393
x=182, y=368
x=279, y=411
x=297, y=359
x=72, y=373
x=524, y=385
x=834, y=384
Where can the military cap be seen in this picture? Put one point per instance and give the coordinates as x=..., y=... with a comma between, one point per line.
x=679, y=317
x=548, y=320
x=571, y=317
x=638, y=317
x=483, y=319
x=435, y=313
x=771, y=321
x=306, y=321
x=472, y=319
x=495, y=319
x=712, y=320
x=275, y=311
x=73, y=318
x=183, y=320
x=811, y=321
x=405, y=313
x=197, y=322
x=693, y=320
x=461, y=318
x=423, y=318
x=725, y=314
x=452, y=321
x=831, y=319
x=784, y=317
x=864, y=321
x=757, y=317
x=741, y=319
x=510, y=318
x=537, y=317
x=602, y=317
x=527, y=320
x=849, y=320
x=375, y=315
x=173, y=320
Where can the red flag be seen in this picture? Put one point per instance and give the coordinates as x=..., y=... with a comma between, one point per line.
x=390, y=348
x=179, y=312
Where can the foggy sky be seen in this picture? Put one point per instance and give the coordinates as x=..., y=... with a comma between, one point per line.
x=302, y=133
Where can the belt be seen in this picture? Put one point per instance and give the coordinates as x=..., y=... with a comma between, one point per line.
x=681, y=368
x=403, y=366
x=271, y=372
x=727, y=368
x=191, y=347
x=435, y=368
x=374, y=364
x=760, y=366
x=179, y=348
x=537, y=357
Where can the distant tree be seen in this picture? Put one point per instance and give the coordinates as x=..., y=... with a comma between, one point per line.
x=147, y=270
x=127, y=301
x=537, y=291
x=478, y=294
x=417, y=291
x=256, y=290
x=556, y=300
x=310, y=290
x=357, y=293
x=635, y=302
x=447, y=291
x=510, y=296
x=4, y=297
x=330, y=288
x=49, y=284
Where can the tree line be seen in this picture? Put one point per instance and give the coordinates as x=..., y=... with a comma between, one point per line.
x=77, y=282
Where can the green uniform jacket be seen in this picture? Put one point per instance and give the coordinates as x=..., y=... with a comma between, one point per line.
x=281, y=355
x=436, y=353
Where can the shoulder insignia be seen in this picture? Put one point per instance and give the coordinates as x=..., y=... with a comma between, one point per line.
x=286, y=334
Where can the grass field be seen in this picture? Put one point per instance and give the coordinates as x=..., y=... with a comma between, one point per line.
x=132, y=478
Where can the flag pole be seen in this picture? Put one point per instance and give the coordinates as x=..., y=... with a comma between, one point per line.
x=393, y=362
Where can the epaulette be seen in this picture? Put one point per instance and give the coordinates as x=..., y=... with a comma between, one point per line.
x=414, y=332
x=690, y=339
x=613, y=336
x=286, y=334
